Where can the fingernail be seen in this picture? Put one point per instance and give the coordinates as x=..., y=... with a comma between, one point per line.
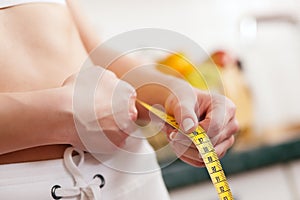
x=134, y=110
x=133, y=113
x=133, y=116
x=172, y=135
x=187, y=124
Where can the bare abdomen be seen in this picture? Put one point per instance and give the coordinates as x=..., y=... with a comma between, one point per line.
x=40, y=47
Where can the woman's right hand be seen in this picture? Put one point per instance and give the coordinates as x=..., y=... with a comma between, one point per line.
x=103, y=109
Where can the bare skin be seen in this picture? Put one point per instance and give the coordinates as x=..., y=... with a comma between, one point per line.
x=42, y=48
x=41, y=58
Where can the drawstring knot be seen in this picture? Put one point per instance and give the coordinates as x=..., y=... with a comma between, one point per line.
x=86, y=191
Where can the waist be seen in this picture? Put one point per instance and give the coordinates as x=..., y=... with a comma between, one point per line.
x=34, y=154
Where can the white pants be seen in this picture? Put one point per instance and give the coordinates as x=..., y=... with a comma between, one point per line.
x=34, y=180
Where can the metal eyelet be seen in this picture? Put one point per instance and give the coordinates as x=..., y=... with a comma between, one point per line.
x=101, y=178
x=53, y=189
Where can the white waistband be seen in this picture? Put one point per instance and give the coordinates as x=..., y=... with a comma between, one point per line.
x=34, y=180
x=8, y=3
x=137, y=157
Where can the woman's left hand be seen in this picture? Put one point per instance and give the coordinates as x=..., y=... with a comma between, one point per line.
x=215, y=113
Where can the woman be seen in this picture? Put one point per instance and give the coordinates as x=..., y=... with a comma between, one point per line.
x=44, y=43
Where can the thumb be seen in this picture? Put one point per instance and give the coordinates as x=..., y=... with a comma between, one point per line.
x=184, y=112
x=186, y=117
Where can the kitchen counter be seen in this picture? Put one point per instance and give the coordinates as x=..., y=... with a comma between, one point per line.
x=180, y=174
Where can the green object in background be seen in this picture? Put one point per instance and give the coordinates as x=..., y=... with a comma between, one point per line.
x=180, y=174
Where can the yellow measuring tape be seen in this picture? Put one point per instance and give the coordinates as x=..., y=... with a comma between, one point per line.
x=206, y=150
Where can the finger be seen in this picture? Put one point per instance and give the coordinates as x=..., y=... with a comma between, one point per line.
x=124, y=107
x=230, y=129
x=195, y=163
x=184, y=146
x=181, y=104
x=182, y=150
x=184, y=113
x=213, y=121
x=102, y=141
x=222, y=148
x=181, y=138
x=220, y=111
x=132, y=106
x=169, y=129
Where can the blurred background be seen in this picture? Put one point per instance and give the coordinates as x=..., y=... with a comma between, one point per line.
x=255, y=48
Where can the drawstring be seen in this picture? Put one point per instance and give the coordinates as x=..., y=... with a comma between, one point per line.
x=86, y=191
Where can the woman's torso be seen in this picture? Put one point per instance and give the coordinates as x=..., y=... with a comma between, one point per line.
x=40, y=47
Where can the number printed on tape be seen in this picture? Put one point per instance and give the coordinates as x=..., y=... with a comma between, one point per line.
x=206, y=150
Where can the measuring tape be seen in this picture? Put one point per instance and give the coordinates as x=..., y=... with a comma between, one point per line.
x=206, y=150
